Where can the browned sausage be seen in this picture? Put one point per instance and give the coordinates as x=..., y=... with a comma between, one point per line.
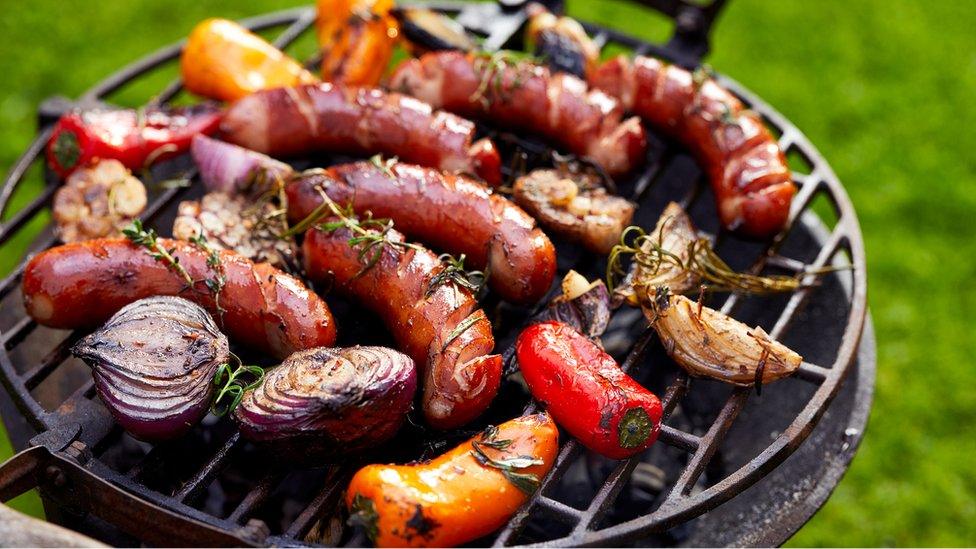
x=449, y=212
x=440, y=326
x=527, y=97
x=337, y=119
x=748, y=171
x=81, y=285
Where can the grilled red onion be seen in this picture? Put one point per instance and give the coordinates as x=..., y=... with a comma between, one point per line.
x=153, y=364
x=328, y=401
x=231, y=169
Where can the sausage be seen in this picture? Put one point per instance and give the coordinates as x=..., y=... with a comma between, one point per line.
x=333, y=118
x=450, y=212
x=527, y=97
x=438, y=325
x=81, y=285
x=748, y=172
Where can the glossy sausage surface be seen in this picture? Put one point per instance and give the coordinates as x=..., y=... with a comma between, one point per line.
x=81, y=285
x=748, y=171
x=440, y=326
x=332, y=118
x=527, y=97
x=449, y=212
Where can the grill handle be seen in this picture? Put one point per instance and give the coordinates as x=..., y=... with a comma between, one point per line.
x=62, y=478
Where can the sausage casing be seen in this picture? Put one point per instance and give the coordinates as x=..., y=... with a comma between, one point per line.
x=81, y=285
x=338, y=119
x=439, y=326
x=449, y=212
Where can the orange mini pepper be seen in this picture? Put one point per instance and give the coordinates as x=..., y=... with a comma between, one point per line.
x=357, y=38
x=223, y=60
x=459, y=496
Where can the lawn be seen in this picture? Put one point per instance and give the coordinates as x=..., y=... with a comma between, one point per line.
x=884, y=88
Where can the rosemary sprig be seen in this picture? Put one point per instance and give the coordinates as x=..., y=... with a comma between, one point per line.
x=509, y=466
x=454, y=272
x=147, y=238
x=232, y=383
x=462, y=327
x=492, y=68
x=651, y=256
x=219, y=280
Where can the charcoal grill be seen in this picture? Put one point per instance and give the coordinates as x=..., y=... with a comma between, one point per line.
x=731, y=466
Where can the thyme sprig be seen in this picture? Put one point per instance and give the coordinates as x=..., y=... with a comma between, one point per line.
x=216, y=283
x=492, y=66
x=386, y=166
x=509, y=466
x=650, y=254
x=231, y=378
x=463, y=326
x=454, y=272
x=148, y=239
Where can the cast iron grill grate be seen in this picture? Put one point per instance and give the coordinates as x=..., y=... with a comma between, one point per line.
x=209, y=489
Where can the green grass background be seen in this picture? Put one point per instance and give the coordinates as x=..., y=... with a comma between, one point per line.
x=885, y=89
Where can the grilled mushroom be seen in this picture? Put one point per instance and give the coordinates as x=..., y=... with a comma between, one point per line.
x=97, y=201
x=561, y=42
x=427, y=30
x=575, y=206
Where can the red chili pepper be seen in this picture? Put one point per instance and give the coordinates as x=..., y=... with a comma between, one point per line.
x=135, y=138
x=586, y=391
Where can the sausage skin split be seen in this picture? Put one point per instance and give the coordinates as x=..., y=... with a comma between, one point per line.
x=748, y=171
x=440, y=327
x=449, y=212
x=337, y=119
x=81, y=285
x=526, y=96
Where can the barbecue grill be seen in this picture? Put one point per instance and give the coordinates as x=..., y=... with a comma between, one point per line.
x=732, y=465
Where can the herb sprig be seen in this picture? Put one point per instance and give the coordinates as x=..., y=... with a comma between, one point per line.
x=509, y=466
x=232, y=381
x=216, y=283
x=148, y=239
x=454, y=272
x=492, y=67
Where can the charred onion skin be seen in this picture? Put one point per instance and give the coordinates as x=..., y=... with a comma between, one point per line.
x=454, y=498
x=325, y=402
x=525, y=96
x=747, y=169
x=81, y=285
x=441, y=328
x=707, y=343
x=586, y=391
x=338, y=119
x=449, y=212
x=153, y=363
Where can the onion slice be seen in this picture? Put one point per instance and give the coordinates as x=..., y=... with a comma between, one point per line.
x=232, y=169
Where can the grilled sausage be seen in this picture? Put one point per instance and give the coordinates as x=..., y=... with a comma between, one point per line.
x=81, y=285
x=525, y=96
x=334, y=118
x=439, y=325
x=747, y=169
x=449, y=212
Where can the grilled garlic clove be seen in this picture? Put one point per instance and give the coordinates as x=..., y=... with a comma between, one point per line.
x=707, y=343
x=97, y=201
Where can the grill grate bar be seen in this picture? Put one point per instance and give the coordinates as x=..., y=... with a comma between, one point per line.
x=17, y=172
x=606, y=495
x=37, y=374
x=206, y=474
x=334, y=486
x=255, y=497
x=679, y=439
x=27, y=213
x=12, y=337
x=812, y=373
x=559, y=510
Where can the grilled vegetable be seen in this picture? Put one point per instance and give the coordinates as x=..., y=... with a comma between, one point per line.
x=357, y=39
x=428, y=30
x=153, y=363
x=560, y=41
x=225, y=61
x=231, y=169
x=324, y=402
x=574, y=206
x=97, y=200
x=707, y=343
x=586, y=392
x=134, y=138
x=584, y=305
x=236, y=223
x=459, y=496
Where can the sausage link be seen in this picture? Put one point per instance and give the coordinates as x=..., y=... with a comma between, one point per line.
x=81, y=285
x=449, y=212
x=440, y=327
x=526, y=96
x=748, y=171
x=337, y=119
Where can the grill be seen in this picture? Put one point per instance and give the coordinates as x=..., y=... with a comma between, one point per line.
x=717, y=442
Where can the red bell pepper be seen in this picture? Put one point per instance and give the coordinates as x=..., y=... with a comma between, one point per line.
x=135, y=138
x=586, y=392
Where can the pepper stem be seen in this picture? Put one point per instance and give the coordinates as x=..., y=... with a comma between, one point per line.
x=634, y=428
x=66, y=149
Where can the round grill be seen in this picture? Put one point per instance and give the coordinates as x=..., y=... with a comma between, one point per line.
x=716, y=441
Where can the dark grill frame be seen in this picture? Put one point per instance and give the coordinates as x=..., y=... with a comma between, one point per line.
x=169, y=518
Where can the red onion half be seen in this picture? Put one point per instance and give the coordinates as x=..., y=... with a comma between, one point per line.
x=325, y=402
x=154, y=363
x=232, y=169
